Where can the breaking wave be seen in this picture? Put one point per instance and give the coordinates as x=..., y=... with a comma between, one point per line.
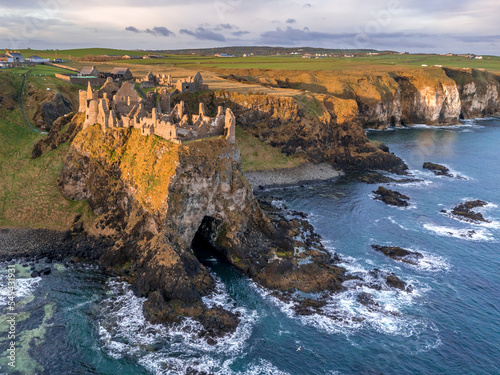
x=177, y=349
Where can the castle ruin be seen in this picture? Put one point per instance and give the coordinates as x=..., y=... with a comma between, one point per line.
x=191, y=84
x=122, y=107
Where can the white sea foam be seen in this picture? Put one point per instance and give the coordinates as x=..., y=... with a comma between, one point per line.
x=469, y=234
x=24, y=286
x=124, y=331
x=345, y=314
x=465, y=124
x=393, y=221
x=429, y=262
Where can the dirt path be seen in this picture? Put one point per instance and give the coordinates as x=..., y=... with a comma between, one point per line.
x=20, y=97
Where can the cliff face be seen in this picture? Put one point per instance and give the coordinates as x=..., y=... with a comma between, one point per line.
x=428, y=100
x=322, y=127
x=154, y=197
x=479, y=92
x=431, y=95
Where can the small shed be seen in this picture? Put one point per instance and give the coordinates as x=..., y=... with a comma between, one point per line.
x=90, y=71
x=122, y=73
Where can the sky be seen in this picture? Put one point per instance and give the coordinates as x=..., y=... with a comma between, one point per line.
x=435, y=26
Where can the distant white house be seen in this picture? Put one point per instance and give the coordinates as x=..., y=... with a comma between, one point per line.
x=37, y=60
x=15, y=57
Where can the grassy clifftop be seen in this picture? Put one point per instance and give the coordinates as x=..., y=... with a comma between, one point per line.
x=29, y=196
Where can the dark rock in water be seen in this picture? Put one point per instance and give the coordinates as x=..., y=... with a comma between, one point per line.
x=391, y=197
x=308, y=306
x=35, y=274
x=438, y=169
x=395, y=282
x=464, y=211
x=46, y=271
x=366, y=299
x=398, y=253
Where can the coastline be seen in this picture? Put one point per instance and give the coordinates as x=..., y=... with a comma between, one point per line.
x=302, y=174
x=18, y=243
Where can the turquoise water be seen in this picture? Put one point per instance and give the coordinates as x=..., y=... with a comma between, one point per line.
x=81, y=322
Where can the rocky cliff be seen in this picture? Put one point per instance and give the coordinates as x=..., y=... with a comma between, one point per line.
x=154, y=198
x=430, y=95
x=479, y=92
x=321, y=127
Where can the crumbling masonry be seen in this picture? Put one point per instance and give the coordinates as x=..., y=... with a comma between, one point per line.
x=122, y=107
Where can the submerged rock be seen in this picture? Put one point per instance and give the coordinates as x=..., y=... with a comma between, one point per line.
x=398, y=253
x=438, y=169
x=395, y=282
x=465, y=211
x=391, y=197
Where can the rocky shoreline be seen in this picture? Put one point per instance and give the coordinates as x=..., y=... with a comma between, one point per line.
x=17, y=243
x=303, y=174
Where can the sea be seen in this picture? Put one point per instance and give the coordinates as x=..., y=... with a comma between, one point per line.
x=79, y=321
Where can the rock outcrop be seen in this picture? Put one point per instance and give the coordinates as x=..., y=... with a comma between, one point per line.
x=479, y=92
x=428, y=100
x=50, y=110
x=399, y=254
x=321, y=127
x=58, y=134
x=465, y=211
x=429, y=95
x=154, y=197
x=437, y=169
x=391, y=197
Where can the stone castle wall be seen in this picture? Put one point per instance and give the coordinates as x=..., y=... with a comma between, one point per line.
x=122, y=107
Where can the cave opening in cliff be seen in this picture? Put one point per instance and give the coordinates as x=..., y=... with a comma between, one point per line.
x=204, y=242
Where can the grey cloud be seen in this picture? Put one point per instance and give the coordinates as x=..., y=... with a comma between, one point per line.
x=291, y=20
x=478, y=38
x=240, y=33
x=226, y=26
x=132, y=29
x=156, y=31
x=204, y=34
x=291, y=35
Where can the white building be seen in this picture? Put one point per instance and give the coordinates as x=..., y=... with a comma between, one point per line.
x=15, y=57
x=37, y=60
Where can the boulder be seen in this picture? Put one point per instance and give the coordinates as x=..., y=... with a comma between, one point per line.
x=438, y=169
x=391, y=197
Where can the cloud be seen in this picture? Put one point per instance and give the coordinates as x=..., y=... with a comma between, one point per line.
x=291, y=20
x=240, y=33
x=291, y=35
x=202, y=33
x=156, y=31
x=226, y=26
x=132, y=29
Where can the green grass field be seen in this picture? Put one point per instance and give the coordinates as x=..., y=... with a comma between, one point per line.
x=75, y=53
x=29, y=196
x=383, y=61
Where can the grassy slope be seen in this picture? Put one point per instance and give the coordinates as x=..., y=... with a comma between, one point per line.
x=29, y=196
x=65, y=54
x=258, y=156
x=382, y=62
